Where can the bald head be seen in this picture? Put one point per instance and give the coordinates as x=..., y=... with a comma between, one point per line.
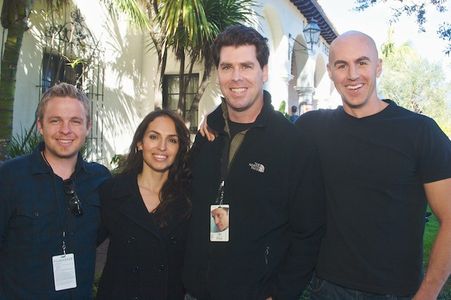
x=351, y=40
x=354, y=66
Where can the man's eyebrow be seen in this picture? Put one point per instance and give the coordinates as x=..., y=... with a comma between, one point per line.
x=363, y=58
x=244, y=63
x=339, y=62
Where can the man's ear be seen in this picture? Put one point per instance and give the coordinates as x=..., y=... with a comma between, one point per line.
x=89, y=126
x=329, y=71
x=265, y=73
x=39, y=124
x=379, y=68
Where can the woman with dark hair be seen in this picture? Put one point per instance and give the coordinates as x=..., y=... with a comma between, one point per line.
x=145, y=210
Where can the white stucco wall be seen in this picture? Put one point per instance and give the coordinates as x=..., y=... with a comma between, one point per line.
x=130, y=70
x=129, y=80
x=131, y=77
x=276, y=20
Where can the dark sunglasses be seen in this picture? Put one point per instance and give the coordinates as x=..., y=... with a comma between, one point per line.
x=72, y=198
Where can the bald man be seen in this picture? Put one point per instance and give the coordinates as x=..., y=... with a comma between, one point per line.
x=382, y=165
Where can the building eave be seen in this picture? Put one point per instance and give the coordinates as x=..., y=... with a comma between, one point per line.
x=311, y=9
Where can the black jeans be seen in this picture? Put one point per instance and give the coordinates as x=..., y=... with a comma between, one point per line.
x=325, y=290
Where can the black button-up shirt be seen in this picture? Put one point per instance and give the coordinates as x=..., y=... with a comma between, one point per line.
x=34, y=212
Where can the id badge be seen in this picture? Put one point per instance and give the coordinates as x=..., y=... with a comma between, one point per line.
x=219, y=223
x=64, y=271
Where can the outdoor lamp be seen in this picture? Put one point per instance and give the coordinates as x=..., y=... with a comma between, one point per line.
x=311, y=33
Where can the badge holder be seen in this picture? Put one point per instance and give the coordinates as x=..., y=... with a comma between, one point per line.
x=219, y=219
x=64, y=269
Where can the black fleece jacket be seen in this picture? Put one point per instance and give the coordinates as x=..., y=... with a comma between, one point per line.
x=276, y=212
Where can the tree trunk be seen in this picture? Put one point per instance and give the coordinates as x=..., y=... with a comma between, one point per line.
x=200, y=92
x=203, y=84
x=182, y=94
x=14, y=18
x=163, y=62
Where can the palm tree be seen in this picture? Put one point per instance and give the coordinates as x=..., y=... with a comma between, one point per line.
x=14, y=17
x=143, y=14
x=220, y=14
x=185, y=28
x=188, y=28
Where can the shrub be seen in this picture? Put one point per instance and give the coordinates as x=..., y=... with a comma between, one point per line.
x=23, y=143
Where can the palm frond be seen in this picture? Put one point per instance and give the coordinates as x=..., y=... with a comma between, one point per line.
x=136, y=10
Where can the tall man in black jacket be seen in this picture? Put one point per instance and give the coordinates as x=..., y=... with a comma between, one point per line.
x=263, y=173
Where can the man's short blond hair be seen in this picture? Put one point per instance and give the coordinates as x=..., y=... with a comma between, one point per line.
x=64, y=90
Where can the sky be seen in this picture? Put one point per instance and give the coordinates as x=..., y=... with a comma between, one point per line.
x=374, y=21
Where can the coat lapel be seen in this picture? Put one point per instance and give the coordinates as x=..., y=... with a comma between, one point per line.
x=130, y=204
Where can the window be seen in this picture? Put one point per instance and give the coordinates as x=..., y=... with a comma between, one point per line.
x=88, y=78
x=56, y=68
x=171, y=97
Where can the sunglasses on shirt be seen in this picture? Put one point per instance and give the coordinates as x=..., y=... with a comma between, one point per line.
x=72, y=198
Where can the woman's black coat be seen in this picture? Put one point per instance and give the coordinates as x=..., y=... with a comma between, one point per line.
x=144, y=261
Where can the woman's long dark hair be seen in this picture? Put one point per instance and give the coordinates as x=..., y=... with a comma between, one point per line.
x=174, y=201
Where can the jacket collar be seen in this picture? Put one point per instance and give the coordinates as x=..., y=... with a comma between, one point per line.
x=126, y=189
x=125, y=185
x=39, y=165
x=218, y=118
x=129, y=203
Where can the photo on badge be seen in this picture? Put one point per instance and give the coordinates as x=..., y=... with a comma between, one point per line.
x=219, y=223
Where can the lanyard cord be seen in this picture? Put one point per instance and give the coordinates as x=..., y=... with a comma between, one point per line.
x=58, y=205
x=65, y=214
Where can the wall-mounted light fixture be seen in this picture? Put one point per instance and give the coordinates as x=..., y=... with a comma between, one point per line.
x=311, y=35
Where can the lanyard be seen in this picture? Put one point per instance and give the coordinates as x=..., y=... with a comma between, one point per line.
x=225, y=164
x=220, y=198
x=230, y=144
x=233, y=139
x=58, y=204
